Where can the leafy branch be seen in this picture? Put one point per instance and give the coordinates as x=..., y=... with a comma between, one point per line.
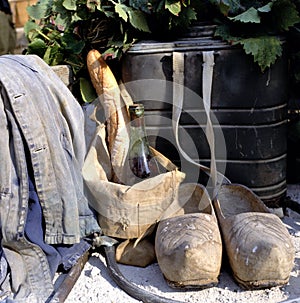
x=258, y=27
x=63, y=31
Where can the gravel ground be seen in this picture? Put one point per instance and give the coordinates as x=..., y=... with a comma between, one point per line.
x=95, y=284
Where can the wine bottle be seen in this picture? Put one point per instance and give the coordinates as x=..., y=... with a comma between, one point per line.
x=141, y=162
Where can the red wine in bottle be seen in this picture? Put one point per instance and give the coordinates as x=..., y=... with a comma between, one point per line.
x=141, y=162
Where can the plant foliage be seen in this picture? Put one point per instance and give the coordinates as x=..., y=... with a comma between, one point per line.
x=63, y=31
x=258, y=26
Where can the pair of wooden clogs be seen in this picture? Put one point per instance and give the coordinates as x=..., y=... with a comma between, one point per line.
x=189, y=244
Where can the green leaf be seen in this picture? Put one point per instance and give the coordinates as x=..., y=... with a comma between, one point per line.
x=71, y=44
x=143, y=5
x=30, y=29
x=53, y=56
x=185, y=18
x=75, y=17
x=38, y=47
x=111, y=51
x=62, y=21
x=227, y=5
x=265, y=50
x=40, y=10
x=121, y=10
x=224, y=9
x=57, y=59
x=266, y=8
x=58, y=8
x=138, y=20
x=223, y=31
x=174, y=7
x=251, y=15
x=87, y=90
x=116, y=43
x=54, y=35
x=190, y=13
x=92, y=5
x=46, y=57
x=285, y=14
x=70, y=5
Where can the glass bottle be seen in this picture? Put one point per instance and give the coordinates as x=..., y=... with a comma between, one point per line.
x=141, y=162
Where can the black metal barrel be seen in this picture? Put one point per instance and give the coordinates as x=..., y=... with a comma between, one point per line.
x=250, y=106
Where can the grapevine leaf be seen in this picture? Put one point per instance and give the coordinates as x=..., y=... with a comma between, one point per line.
x=189, y=14
x=224, y=9
x=116, y=43
x=138, y=20
x=40, y=10
x=174, y=7
x=71, y=44
x=223, y=31
x=52, y=55
x=227, y=5
x=285, y=14
x=30, y=30
x=186, y=16
x=109, y=14
x=57, y=58
x=62, y=21
x=249, y=16
x=142, y=5
x=58, y=8
x=38, y=47
x=121, y=10
x=266, y=8
x=70, y=5
x=192, y=15
x=75, y=17
x=265, y=50
x=92, y=5
x=54, y=35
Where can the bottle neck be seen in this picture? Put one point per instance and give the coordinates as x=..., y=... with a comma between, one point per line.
x=138, y=133
x=138, y=122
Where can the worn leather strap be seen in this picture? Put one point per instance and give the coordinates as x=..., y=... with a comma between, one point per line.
x=178, y=99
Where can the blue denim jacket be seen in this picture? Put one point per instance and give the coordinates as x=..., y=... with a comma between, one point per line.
x=39, y=117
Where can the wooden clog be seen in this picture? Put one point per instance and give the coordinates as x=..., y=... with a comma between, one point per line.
x=258, y=245
x=188, y=245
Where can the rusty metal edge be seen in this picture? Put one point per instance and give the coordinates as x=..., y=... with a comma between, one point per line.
x=65, y=287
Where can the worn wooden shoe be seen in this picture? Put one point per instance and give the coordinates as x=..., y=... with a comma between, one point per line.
x=188, y=245
x=258, y=245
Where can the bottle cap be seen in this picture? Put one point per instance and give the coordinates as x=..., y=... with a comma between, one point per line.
x=136, y=110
